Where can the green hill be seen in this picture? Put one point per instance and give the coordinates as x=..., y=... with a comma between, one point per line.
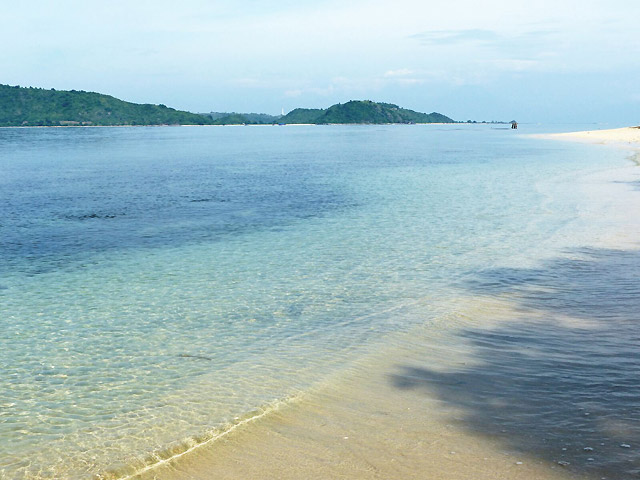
x=36, y=106
x=303, y=115
x=234, y=118
x=231, y=119
x=363, y=111
x=39, y=107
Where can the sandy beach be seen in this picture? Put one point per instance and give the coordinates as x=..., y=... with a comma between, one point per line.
x=441, y=404
x=616, y=136
x=628, y=137
x=465, y=400
x=380, y=419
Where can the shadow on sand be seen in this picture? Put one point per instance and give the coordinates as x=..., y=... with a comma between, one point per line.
x=545, y=384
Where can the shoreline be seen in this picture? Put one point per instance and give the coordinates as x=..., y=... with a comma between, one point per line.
x=616, y=136
x=362, y=424
x=620, y=137
x=245, y=125
x=626, y=138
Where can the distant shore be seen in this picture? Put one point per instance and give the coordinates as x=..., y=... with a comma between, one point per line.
x=627, y=136
x=238, y=125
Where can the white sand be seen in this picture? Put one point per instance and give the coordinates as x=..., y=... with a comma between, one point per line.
x=628, y=136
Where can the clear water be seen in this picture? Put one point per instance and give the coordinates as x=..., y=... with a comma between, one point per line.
x=157, y=284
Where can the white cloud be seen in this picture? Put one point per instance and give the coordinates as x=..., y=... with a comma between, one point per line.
x=402, y=72
x=450, y=37
x=516, y=65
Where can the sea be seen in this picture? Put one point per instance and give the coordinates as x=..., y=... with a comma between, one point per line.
x=162, y=285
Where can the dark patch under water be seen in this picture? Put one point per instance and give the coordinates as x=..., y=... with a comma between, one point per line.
x=56, y=206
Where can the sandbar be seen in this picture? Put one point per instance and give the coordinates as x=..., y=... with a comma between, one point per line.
x=627, y=136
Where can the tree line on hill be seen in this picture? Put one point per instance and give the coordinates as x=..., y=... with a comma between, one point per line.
x=354, y=112
x=40, y=107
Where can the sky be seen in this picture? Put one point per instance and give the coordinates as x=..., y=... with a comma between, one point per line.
x=559, y=61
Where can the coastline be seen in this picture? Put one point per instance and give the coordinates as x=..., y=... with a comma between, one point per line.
x=625, y=138
x=614, y=136
x=361, y=425
x=232, y=125
x=405, y=412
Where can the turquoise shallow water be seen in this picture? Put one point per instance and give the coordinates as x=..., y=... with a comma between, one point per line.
x=158, y=284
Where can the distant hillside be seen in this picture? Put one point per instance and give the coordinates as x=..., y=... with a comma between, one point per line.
x=363, y=111
x=303, y=115
x=234, y=118
x=231, y=119
x=38, y=107
x=355, y=111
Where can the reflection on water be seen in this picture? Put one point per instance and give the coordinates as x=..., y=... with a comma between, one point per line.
x=559, y=380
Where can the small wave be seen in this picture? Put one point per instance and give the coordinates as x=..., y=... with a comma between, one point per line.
x=187, y=446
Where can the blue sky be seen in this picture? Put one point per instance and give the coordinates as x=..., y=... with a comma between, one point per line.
x=536, y=61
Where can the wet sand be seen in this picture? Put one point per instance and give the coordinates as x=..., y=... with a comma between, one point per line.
x=532, y=375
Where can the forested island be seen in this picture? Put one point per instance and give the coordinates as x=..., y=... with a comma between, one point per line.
x=39, y=107
x=365, y=111
x=355, y=112
x=25, y=107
